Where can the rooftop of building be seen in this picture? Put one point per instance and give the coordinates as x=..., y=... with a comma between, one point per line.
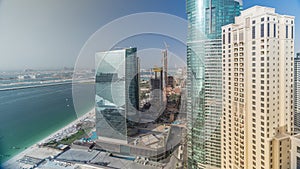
x=258, y=10
x=103, y=159
x=153, y=136
x=255, y=11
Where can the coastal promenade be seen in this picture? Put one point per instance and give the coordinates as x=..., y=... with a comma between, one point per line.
x=42, y=152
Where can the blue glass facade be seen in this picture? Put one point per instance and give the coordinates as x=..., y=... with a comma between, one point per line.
x=117, y=93
x=204, y=61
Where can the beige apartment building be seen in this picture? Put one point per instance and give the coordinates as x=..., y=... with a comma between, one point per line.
x=257, y=119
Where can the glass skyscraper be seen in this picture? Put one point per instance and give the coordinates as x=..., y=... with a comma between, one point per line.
x=117, y=94
x=204, y=84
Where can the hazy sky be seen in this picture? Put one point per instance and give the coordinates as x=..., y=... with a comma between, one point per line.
x=50, y=33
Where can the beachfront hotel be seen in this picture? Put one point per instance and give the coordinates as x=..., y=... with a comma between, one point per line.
x=204, y=83
x=117, y=94
x=258, y=89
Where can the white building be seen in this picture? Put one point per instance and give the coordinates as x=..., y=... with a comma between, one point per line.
x=257, y=120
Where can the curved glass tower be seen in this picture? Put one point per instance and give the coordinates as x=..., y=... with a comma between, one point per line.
x=204, y=61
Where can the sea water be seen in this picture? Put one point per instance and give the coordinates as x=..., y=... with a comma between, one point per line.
x=31, y=114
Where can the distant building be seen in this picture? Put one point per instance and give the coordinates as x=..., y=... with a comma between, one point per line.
x=258, y=77
x=171, y=81
x=117, y=94
x=157, y=86
x=165, y=67
x=139, y=80
x=297, y=92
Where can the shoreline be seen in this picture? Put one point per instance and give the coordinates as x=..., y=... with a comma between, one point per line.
x=12, y=162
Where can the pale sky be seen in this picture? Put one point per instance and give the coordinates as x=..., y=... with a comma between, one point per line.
x=50, y=33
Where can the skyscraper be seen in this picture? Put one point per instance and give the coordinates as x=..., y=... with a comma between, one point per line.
x=257, y=121
x=297, y=92
x=204, y=83
x=117, y=94
x=165, y=66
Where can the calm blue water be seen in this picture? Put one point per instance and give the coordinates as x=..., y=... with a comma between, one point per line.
x=28, y=115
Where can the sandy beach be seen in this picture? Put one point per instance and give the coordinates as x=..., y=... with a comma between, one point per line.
x=13, y=162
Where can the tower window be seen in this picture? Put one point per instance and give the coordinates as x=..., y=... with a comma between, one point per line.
x=292, y=32
x=262, y=30
x=268, y=27
x=274, y=30
x=253, y=32
x=286, y=31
